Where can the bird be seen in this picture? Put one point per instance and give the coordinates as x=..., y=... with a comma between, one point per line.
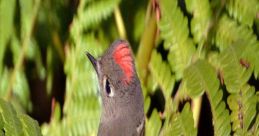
x=122, y=103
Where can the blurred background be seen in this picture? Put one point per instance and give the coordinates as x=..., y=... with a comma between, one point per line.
x=186, y=52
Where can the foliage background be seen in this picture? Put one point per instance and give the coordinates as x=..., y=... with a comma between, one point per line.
x=197, y=61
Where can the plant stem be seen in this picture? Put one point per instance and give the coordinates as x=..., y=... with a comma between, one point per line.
x=58, y=45
x=196, y=109
x=120, y=23
x=25, y=44
x=145, y=47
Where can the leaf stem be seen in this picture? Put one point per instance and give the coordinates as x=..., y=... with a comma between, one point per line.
x=196, y=109
x=145, y=47
x=120, y=23
x=58, y=45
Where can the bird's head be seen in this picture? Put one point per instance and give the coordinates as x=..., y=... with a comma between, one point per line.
x=117, y=75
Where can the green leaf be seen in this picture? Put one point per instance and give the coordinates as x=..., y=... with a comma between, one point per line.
x=153, y=124
x=27, y=8
x=243, y=11
x=243, y=107
x=200, y=77
x=21, y=91
x=16, y=124
x=147, y=102
x=235, y=75
x=180, y=124
x=161, y=73
x=30, y=126
x=255, y=129
x=230, y=33
x=221, y=118
x=12, y=124
x=92, y=14
x=7, y=10
x=200, y=23
x=174, y=30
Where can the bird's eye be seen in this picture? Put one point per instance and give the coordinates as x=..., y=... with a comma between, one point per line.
x=108, y=88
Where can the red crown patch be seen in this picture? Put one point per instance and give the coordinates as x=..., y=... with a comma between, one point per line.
x=122, y=56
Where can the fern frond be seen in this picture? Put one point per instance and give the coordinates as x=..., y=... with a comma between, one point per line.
x=153, y=124
x=15, y=81
x=91, y=14
x=243, y=11
x=255, y=129
x=161, y=73
x=235, y=75
x=80, y=124
x=12, y=124
x=229, y=33
x=30, y=126
x=243, y=109
x=180, y=124
x=174, y=30
x=200, y=22
x=16, y=124
x=200, y=77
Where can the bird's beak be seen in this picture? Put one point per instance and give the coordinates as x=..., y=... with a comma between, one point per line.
x=93, y=61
